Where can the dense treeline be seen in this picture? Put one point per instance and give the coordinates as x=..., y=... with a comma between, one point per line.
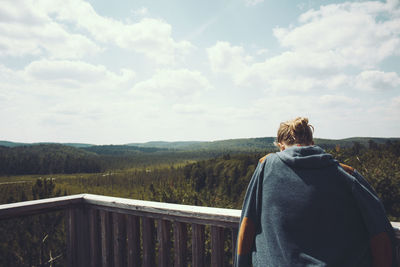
x=80, y=158
x=56, y=158
x=47, y=159
x=380, y=165
x=121, y=150
x=122, y=157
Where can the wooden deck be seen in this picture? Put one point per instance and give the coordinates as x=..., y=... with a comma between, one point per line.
x=109, y=231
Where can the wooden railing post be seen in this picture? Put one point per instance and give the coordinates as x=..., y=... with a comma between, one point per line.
x=82, y=227
x=148, y=242
x=164, y=243
x=133, y=241
x=94, y=233
x=78, y=237
x=70, y=235
x=198, y=245
x=180, y=244
x=217, y=246
x=105, y=237
x=119, y=239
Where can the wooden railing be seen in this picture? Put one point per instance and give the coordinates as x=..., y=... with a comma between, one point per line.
x=109, y=231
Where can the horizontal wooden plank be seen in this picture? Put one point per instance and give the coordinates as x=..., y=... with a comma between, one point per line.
x=169, y=217
x=32, y=207
x=167, y=209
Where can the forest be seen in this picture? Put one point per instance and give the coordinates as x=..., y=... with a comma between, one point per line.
x=205, y=177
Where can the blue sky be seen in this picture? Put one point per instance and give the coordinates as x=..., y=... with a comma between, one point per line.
x=114, y=72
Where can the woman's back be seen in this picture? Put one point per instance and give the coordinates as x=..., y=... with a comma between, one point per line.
x=305, y=202
x=303, y=209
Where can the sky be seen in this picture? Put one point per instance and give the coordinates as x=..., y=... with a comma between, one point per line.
x=116, y=72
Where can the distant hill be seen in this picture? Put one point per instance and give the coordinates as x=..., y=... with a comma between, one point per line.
x=256, y=144
x=348, y=142
x=167, y=145
x=15, y=144
x=122, y=149
x=12, y=144
x=44, y=158
x=240, y=144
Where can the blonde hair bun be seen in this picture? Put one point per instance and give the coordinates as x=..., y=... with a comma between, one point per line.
x=299, y=124
x=296, y=131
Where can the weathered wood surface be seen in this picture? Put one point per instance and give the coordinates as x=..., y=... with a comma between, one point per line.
x=148, y=242
x=78, y=237
x=32, y=207
x=119, y=239
x=105, y=237
x=133, y=241
x=166, y=211
x=70, y=237
x=94, y=238
x=198, y=245
x=180, y=244
x=164, y=243
x=217, y=246
x=82, y=232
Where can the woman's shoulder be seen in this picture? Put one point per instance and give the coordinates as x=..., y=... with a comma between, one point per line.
x=261, y=160
x=347, y=168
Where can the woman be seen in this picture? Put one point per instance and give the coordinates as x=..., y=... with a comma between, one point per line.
x=303, y=208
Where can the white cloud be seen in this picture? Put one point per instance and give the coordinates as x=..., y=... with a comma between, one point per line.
x=47, y=84
x=262, y=52
x=80, y=72
x=394, y=107
x=329, y=113
x=374, y=80
x=320, y=51
x=73, y=29
x=26, y=30
x=386, y=113
x=53, y=99
x=351, y=32
x=151, y=37
x=226, y=58
x=179, y=83
x=337, y=101
x=188, y=109
x=292, y=71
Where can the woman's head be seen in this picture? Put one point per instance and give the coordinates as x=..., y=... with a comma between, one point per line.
x=295, y=132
